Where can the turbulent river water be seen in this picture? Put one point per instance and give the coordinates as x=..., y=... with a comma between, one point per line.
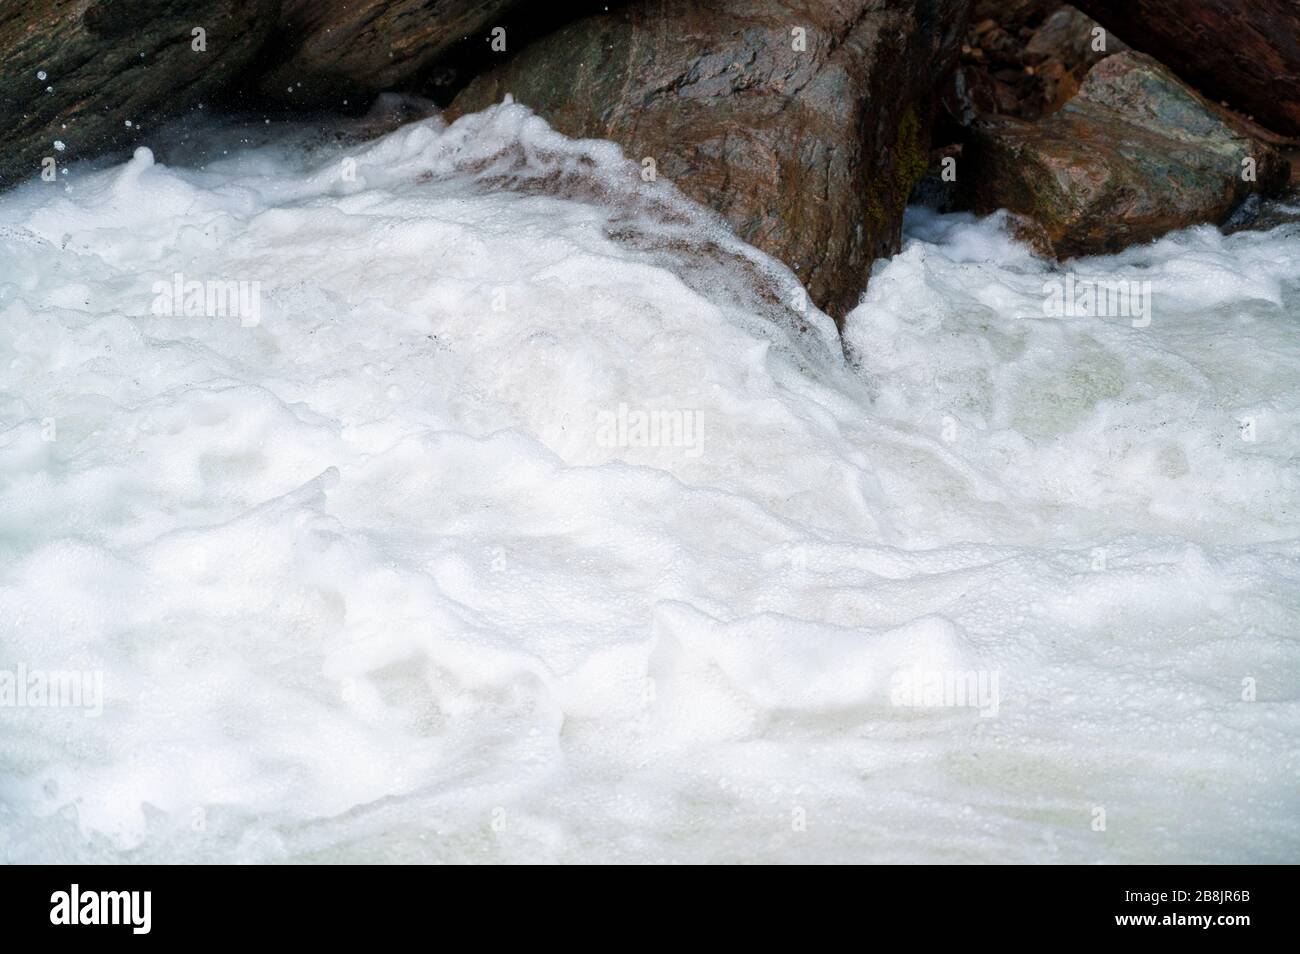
x=458, y=496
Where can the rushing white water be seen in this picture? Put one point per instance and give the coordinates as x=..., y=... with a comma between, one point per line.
x=387, y=562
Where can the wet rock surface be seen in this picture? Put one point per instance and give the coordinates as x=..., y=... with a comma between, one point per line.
x=1245, y=53
x=1027, y=60
x=325, y=50
x=805, y=125
x=81, y=77
x=1135, y=154
x=808, y=125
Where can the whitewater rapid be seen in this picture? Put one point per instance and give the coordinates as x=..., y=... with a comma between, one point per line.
x=387, y=564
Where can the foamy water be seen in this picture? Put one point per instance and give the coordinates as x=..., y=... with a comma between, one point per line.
x=518, y=512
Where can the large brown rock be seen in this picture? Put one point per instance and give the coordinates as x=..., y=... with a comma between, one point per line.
x=326, y=50
x=78, y=71
x=809, y=153
x=1245, y=52
x=1025, y=60
x=1135, y=154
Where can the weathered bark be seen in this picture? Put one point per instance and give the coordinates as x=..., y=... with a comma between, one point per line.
x=809, y=153
x=1243, y=52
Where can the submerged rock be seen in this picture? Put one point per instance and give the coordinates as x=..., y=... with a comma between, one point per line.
x=80, y=78
x=1247, y=53
x=804, y=124
x=1134, y=155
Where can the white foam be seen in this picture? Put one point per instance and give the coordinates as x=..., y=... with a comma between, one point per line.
x=366, y=584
